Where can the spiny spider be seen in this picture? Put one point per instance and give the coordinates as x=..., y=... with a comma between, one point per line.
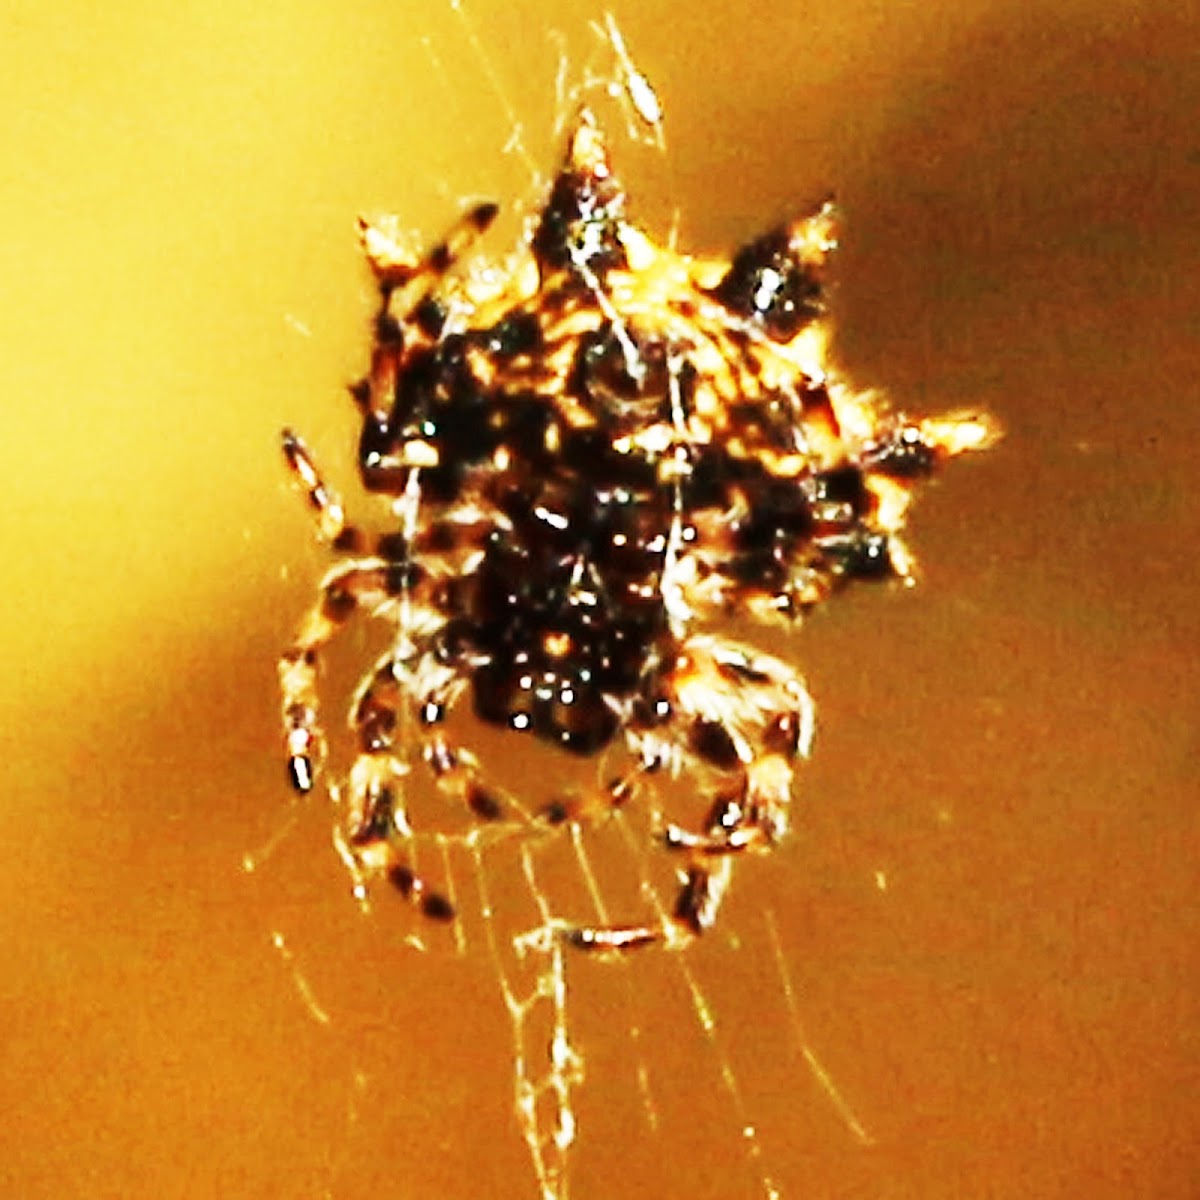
x=594, y=458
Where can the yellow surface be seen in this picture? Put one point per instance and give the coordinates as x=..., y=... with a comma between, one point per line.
x=988, y=910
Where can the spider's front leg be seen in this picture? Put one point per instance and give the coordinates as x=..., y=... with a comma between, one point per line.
x=327, y=508
x=359, y=583
x=346, y=589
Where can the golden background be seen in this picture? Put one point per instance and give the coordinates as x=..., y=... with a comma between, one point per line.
x=1014, y=745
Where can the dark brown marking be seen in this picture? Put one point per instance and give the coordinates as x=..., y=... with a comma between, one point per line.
x=349, y=541
x=484, y=803
x=712, y=742
x=300, y=773
x=437, y=907
x=400, y=577
x=693, y=901
x=389, y=331
x=403, y=879
x=392, y=546
x=483, y=214
x=337, y=603
x=430, y=317
x=440, y=537
x=782, y=735
x=556, y=813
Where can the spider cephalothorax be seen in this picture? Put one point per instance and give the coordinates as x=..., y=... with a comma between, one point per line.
x=594, y=457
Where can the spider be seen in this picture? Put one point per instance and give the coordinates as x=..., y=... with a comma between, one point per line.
x=594, y=458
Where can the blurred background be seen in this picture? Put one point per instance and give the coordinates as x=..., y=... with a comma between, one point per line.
x=988, y=913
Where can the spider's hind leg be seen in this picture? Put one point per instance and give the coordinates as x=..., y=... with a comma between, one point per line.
x=341, y=593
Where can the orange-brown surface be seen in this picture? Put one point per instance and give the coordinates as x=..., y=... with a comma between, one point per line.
x=1012, y=749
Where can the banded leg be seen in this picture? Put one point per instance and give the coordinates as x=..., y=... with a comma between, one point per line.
x=746, y=717
x=747, y=713
x=364, y=583
x=332, y=526
x=345, y=590
x=406, y=279
x=456, y=770
x=378, y=837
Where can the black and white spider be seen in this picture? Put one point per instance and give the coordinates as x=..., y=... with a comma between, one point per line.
x=595, y=458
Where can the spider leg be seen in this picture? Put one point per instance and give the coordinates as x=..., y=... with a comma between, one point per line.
x=378, y=833
x=416, y=682
x=745, y=718
x=332, y=525
x=593, y=806
x=366, y=583
x=406, y=279
x=750, y=715
x=387, y=574
x=456, y=770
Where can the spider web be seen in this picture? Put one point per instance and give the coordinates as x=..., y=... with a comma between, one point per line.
x=518, y=897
